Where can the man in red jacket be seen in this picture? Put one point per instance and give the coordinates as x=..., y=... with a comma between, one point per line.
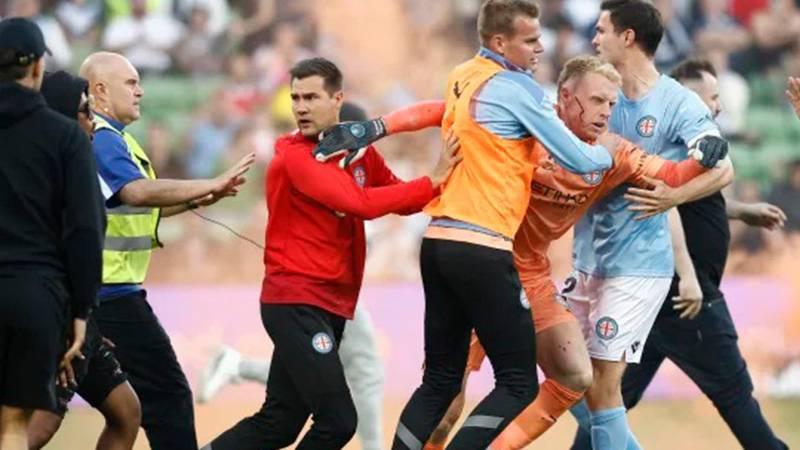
x=314, y=262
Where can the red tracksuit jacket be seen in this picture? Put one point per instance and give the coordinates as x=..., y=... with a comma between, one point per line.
x=315, y=244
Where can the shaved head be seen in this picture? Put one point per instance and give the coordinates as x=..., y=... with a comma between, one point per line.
x=114, y=83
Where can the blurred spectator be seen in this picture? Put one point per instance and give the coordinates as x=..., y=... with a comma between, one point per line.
x=161, y=151
x=145, y=37
x=786, y=195
x=583, y=15
x=196, y=53
x=79, y=17
x=250, y=27
x=218, y=13
x=560, y=40
x=51, y=29
x=124, y=8
x=272, y=63
x=676, y=44
x=734, y=93
x=776, y=29
x=715, y=30
x=209, y=139
x=240, y=93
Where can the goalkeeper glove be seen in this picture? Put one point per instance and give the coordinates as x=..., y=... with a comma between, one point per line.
x=350, y=138
x=709, y=151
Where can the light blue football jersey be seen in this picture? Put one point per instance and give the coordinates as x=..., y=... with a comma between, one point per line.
x=608, y=241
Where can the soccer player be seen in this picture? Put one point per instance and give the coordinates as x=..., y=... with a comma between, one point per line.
x=314, y=258
x=97, y=377
x=701, y=340
x=361, y=362
x=498, y=112
x=136, y=200
x=623, y=266
x=588, y=89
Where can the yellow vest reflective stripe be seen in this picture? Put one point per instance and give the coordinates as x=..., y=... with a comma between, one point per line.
x=132, y=230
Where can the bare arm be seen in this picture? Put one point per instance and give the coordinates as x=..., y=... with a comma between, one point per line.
x=178, y=193
x=690, y=297
x=760, y=214
x=156, y=193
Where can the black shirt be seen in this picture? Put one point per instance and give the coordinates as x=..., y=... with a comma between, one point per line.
x=705, y=224
x=50, y=220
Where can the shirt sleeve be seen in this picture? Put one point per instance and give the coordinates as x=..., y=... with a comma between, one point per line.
x=518, y=96
x=385, y=177
x=115, y=168
x=634, y=164
x=694, y=120
x=336, y=189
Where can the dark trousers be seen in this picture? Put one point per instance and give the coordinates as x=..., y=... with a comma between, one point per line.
x=305, y=378
x=470, y=286
x=706, y=350
x=145, y=352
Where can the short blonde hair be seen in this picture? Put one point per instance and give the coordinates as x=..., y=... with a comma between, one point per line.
x=578, y=67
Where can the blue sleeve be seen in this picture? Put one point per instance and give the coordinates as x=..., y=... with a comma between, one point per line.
x=115, y=168
x=693, y=120
x=514, y=99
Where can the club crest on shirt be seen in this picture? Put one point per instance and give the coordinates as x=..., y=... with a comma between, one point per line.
x=606, y=328
x=322, y=343
x=360, y=175
x=593, y=178
x=646, y=126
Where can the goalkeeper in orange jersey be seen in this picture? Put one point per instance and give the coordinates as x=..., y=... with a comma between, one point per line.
x=587, y=90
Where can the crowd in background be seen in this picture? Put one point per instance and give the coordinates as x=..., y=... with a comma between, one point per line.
x=216, y=87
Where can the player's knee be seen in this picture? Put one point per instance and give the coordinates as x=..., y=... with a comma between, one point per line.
x=444, y=381
x=41, y=431
x=520, y=381
x=733, y=392
x=578, y=380
x=342, y=426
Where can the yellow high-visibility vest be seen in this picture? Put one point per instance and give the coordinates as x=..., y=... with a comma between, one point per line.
x=131, y=234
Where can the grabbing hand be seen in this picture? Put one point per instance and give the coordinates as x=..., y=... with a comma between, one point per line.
x=689, y=298
x=447, y=160
x=348, y=138
x=709, y=151
x=653, y=201
x=66, y=375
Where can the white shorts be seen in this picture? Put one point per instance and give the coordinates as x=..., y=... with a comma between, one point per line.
x=616, y=314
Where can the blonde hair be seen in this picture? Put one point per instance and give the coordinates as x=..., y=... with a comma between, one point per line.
x=578, y=67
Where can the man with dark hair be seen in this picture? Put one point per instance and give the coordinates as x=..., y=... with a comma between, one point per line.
x=97, y=377
x=701, y=341
x=624, y=263
x=51, y=234
x=314, y=261
x=361, y=362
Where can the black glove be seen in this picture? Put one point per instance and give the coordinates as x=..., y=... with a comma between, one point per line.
x=710, y=150
x=351, y=138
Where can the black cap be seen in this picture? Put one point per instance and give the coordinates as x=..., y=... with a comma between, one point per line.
x=62, y=92
x=21, y=42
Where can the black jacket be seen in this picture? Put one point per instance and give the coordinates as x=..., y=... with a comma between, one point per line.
x=50, y=223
